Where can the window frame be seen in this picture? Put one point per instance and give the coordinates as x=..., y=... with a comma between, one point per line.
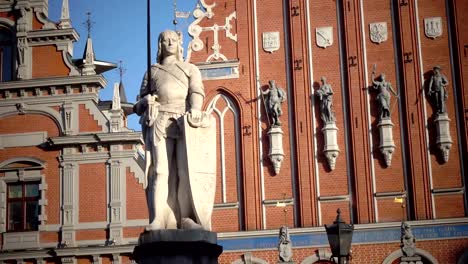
x=9, y=43
x=23, y=200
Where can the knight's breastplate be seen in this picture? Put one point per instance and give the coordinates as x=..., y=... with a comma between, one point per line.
x=171, y=85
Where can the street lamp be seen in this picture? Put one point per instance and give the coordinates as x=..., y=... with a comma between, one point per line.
x=339, y=236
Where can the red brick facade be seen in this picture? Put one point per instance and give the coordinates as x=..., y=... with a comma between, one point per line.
x=91, y=176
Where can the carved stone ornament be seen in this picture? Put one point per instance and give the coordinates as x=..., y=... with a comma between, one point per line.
x=324, y=36
x=271, y=41
x=201, y=12
x=276, y=153
x=433, y=27
x=284, y=246
x=378, y=32
x=444, y=140
x=387, y=146
x=408, y=246
x=21, y=107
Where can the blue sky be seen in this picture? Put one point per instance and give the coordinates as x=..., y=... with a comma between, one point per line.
x=119, y=33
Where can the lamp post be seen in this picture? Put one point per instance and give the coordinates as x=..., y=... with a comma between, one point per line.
x=339, y=236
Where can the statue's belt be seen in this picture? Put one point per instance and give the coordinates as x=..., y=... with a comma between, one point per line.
x=176, y=108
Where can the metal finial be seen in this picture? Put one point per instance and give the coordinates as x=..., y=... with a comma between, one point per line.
x=175, y=22
x=122, y=70
x=88, y=23
x=338, y=216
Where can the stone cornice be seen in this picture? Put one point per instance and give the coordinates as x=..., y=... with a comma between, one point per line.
x=6, y=6
x=50, y=99
x=72, y=251
x=55, y=81
x=117, y=137
x=47, y=36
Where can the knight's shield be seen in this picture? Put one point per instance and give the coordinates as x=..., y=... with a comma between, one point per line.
x=201, y=156
x=324, y=36
x=433, y=27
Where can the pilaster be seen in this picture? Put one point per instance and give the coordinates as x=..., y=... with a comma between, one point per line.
x=115, y=184
x=70, y=200
x=418, y=174
x=300, y=105
x=352, y=58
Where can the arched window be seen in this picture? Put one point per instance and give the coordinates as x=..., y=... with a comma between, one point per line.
x=229, y=192
x=7, y=58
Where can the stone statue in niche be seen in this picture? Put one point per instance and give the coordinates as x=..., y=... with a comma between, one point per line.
x=275, y=96
x=385, y=125
x=329, y=130
x=180, y=142
x=325, y=94
x=438, y=93
x=383, y=98
x=284, y=245
x=438, y=90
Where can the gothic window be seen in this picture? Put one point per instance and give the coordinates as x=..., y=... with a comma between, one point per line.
x=7, y=61
x=23, y=206
x=229, y=194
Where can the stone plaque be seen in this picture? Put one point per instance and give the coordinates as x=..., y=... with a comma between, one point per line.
x=324, y=36
x=271, y=41
x=378, y=32
x=433, y=27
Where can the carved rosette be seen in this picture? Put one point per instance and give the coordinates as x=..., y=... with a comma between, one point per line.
x=276, y=153
x=444, y=140
x=330, y=149
x=387, y=145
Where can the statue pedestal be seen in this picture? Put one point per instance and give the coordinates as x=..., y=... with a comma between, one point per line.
x=177, y=246
x=387, y=146
x=444, y=140
x=276, y=152
x=330, y=149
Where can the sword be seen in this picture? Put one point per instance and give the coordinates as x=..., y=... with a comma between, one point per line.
x=266, y=108
x=327, y=41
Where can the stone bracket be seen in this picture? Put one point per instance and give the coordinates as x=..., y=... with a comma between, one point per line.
x=330, y=149
x=276, y=153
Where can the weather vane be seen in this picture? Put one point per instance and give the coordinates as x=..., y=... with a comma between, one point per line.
x=178, y=14
x=89, y=24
